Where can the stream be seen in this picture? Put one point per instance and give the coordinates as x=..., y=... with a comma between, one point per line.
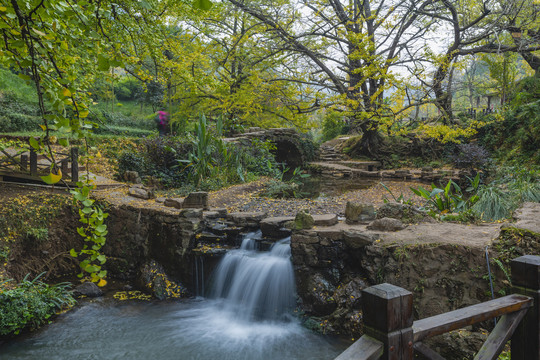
x=248, y=315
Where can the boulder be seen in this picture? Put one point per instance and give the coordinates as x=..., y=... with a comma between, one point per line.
x=196, y=200
x=325, y=220
x=356, y=212
x=191, y=213
x=404, y=212
x=275, y=226
x=141, y=193
x=358, y=239
x=215, y=213
x=386, y=224
x=155, y=281
x=250, y=219
x=88, y=289
x=132, y=176
x=303, y=220
x=174, y=202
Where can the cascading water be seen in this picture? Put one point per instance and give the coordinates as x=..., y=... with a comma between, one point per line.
x=256, y=285
x=246, y=318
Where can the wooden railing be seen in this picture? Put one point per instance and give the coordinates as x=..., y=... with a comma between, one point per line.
x=27, y=164
x=391, y=334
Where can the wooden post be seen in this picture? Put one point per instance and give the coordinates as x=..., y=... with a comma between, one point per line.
x=525, y=344
x=387, y=314
x=64, y=166
x=74, y=164
x=33, y=163
x=24, y=162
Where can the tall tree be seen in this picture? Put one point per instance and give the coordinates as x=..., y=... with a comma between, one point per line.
x=351, y=47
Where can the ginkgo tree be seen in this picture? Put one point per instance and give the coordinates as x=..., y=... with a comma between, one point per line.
x=58, y=46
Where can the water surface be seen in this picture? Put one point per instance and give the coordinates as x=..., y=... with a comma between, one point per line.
x=190, y=329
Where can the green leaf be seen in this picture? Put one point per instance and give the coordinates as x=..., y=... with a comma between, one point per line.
x=88, y=202
x=34, y=143
x=80, y=231
x=73, y=253
x=101, y=228
x=103, y=63
x=52, y=178
x=202, y=4
x=63, y=142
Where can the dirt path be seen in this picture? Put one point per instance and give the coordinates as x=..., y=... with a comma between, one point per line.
x=245, y=197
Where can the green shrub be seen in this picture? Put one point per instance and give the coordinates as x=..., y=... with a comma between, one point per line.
x=333, y=125
x=131, y=161
x=493, y=204
x=31, y=304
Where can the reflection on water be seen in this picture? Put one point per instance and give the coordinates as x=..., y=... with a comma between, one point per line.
x=192, y=329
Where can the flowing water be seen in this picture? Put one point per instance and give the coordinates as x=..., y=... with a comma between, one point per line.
x=248, y=316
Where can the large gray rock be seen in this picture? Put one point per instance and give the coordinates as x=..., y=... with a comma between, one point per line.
x=303, y=220
x=88, y=289
x=154, y=279
x=325, y=220
x=196, y=200
x=250, y=219
x=275, y=226
x=357, y=212
x=141, y=193
x=132, y=176
x=404, y=212
x=386, y=224
x=174, y=202
x=356, y=239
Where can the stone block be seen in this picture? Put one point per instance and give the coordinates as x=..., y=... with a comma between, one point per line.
x=196, y=200
x=303, y=220
x=141, y=193
x=275, y=226
x=325, y=220
x=191, y=213
x=386, y=224
x=247, y=218
x=174, y=202
x=356, y=212
x=358, y=239
x=303, y=238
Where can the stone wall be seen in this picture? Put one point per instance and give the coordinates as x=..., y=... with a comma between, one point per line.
x=333, y=267
x=139, y=235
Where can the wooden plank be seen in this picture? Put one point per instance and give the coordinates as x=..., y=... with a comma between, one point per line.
x=365, y=348
x=426, y=352
x=502, y=332
x=457, y=319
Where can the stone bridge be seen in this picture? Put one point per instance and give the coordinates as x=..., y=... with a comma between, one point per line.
x=291, y=147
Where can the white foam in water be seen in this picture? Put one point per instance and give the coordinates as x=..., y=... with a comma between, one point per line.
x=248, y=319
x=256, y=285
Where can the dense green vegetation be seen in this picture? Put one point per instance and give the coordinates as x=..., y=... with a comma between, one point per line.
x=31, y=304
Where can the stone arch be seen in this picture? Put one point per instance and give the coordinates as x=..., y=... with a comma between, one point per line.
x=288, y=151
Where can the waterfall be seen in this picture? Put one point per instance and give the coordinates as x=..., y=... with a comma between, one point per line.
x=256, y=285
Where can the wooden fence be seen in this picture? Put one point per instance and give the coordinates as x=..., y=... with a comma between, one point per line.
x=27, y=164
x=391, y=334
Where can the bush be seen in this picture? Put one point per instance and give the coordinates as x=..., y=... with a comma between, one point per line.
x=132, y=161
x=333, y=125
x=470, y=156
x=31, y=304
x=16, y=115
